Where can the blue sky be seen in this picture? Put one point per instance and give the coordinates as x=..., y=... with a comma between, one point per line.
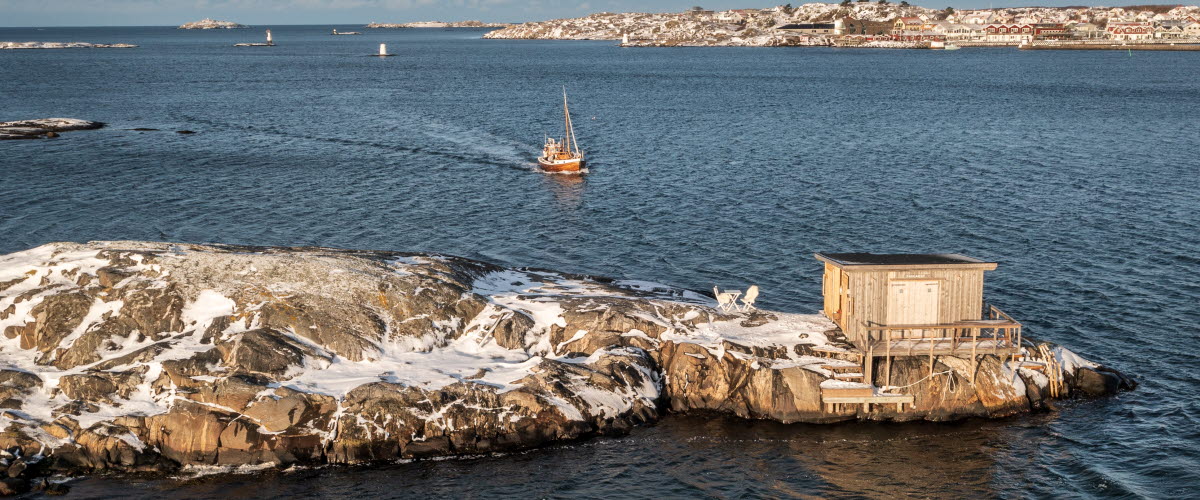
x=174, y=12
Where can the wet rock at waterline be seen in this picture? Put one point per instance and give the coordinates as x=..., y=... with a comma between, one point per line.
x=142, y=356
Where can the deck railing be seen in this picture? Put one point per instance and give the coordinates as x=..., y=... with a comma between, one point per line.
x=997, y=333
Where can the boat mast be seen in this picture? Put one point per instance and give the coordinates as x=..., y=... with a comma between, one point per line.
x=572, y=146
x=566, y=121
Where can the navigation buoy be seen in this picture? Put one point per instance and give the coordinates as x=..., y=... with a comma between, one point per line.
x=268, y=44
x=383, y=51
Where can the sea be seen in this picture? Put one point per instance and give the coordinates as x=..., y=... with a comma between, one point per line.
x=1076, y=171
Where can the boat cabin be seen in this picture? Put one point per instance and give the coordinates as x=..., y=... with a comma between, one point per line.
x=915, y=304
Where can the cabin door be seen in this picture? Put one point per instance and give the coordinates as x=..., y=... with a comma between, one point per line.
x=913, y=302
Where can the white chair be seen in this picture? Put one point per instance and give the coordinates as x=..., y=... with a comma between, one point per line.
x=748, y=300
x=726, y=301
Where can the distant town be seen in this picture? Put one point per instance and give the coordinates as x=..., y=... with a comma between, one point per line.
x=885, y=24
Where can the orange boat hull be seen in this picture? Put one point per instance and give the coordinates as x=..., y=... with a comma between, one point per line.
x=569, y=166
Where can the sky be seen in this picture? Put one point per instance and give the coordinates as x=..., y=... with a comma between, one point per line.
x=265, y=12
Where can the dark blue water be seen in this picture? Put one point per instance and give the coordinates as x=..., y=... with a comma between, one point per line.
x=1077, y=171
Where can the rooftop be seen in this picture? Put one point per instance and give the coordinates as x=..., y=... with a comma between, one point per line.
x=901, y=259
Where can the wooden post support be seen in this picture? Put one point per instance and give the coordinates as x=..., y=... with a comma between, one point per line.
x=887, y=377
x=931, y=344
x=869, y=365
x=974, y=348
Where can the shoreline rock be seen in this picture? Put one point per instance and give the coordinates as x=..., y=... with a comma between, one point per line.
x=211, y=24
x=143, y=356
x=43, y=127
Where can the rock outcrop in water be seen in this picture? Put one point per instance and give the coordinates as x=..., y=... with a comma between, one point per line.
x=63, y=45
x=211, y=24
x=150, y=356
x=43, y=127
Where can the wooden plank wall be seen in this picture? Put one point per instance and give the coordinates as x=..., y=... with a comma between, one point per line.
x=961, y=296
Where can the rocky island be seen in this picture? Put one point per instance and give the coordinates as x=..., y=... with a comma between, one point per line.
x=63, y=45
x=43, y=127
x=142, y=356
x=211, y=24
x=439, y=24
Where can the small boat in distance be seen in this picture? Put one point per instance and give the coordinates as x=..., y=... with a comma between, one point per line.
x=564, y=155
x=335, y=32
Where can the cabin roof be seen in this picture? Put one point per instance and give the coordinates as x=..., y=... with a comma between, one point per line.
x=903, y=260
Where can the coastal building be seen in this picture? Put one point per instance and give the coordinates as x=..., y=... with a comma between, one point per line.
x=1008, y=33
x=959, y=32
x=1192, y=30
x=1170, y=29
x=908, y=24
x=809, y=28
x=1051, y=31
x=1085, y=31
x=890, y=305
x=1130, y=30
x=978, y=17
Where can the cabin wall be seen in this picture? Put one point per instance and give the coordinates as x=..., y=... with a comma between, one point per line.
x=960, y=296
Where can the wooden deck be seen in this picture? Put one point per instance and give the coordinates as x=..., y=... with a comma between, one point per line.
x=897, y=399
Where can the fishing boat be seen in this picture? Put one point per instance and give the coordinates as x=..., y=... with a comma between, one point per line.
x=562, y=155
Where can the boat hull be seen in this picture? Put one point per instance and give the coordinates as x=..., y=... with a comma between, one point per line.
x=561, y=165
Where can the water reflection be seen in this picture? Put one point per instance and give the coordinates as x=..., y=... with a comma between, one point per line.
x=566, y=188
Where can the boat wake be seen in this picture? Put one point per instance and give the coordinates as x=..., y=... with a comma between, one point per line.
x=468, y=145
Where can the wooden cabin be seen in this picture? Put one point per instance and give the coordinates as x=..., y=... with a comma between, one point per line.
x=915, y=304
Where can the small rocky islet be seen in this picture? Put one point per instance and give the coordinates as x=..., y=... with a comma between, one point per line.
x=156, y=357
x=211, y=24
x=62, y=45
x=44, y=127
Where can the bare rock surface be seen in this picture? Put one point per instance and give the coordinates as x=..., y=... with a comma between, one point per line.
x=142, y=356
x=43, y=127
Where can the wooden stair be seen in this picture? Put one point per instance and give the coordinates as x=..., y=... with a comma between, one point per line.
x=849, y=376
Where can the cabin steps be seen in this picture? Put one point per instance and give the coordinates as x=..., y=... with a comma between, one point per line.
x=850, y=376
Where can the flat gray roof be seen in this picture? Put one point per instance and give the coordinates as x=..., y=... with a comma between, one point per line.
x=900, y=259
